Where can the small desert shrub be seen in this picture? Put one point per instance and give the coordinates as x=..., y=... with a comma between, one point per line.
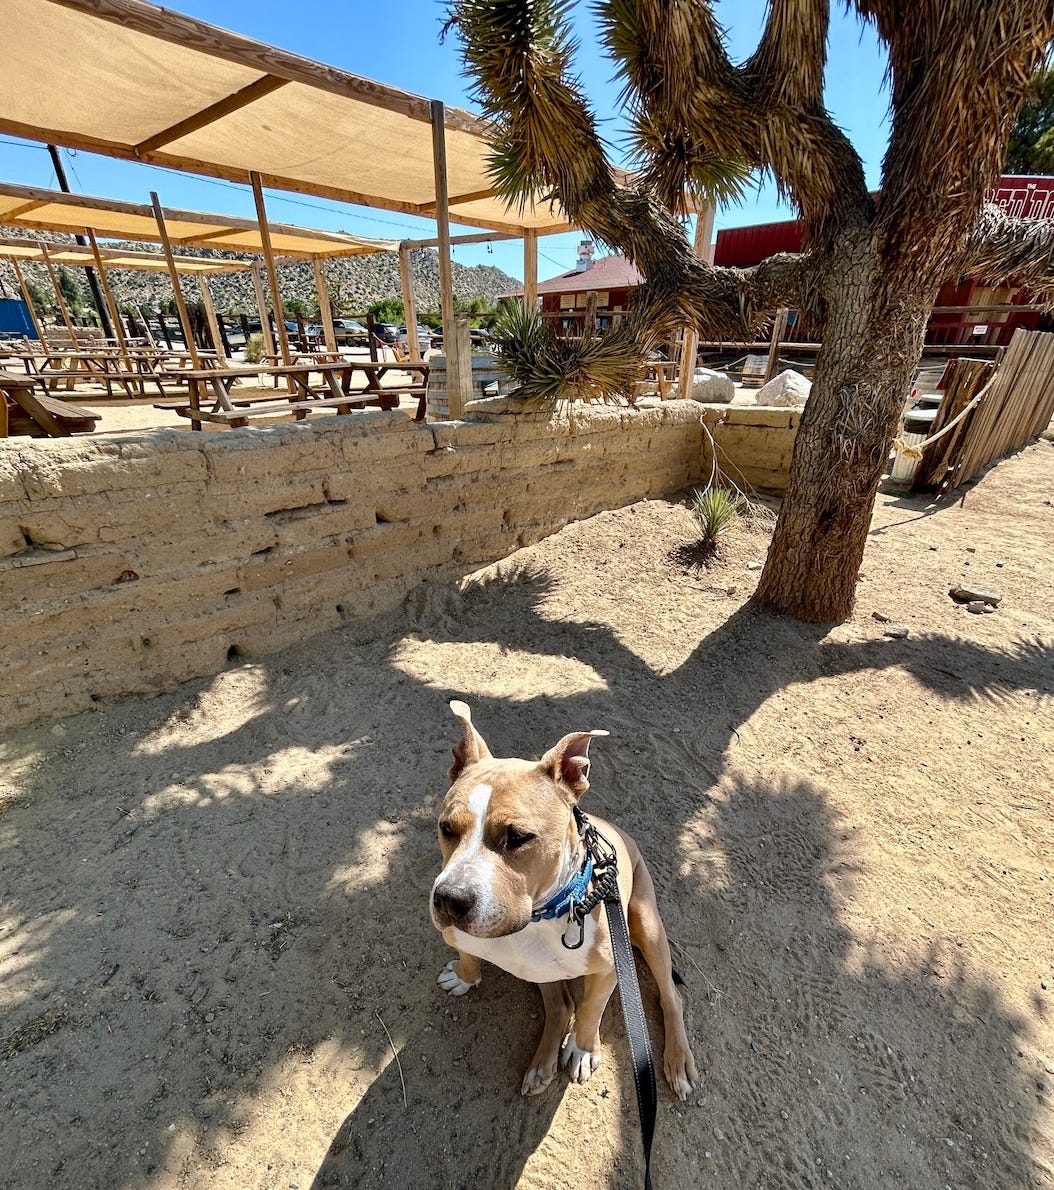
x=714, y=509
x=255, y=348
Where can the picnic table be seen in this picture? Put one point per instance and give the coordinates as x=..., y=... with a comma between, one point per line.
x=334, y=390
x=25, y=411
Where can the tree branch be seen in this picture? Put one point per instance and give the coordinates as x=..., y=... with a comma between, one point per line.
x=770, y=112
x=1001, y=247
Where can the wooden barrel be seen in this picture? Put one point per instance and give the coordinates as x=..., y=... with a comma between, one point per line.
x=488, y=380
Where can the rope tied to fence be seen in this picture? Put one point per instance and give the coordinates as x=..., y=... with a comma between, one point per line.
x=914, y=450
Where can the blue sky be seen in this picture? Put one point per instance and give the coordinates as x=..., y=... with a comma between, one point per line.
x=397, y=42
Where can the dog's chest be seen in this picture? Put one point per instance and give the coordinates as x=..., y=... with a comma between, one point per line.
x=536, y=953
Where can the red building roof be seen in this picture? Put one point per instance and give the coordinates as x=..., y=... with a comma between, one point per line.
x=609, y=272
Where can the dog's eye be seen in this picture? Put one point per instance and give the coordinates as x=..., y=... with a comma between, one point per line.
x=447, y=831
x=515, y=838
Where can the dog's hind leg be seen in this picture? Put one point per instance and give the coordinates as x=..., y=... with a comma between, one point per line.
x=649, y=936
x=559, y=1004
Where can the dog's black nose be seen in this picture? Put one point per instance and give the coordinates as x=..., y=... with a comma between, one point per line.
x=453, y=901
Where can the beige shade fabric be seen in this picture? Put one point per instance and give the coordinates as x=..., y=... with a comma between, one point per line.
x=52, y=210
x=160, y=87
x=75, y=254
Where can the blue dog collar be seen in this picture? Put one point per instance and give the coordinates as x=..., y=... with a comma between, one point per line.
x=571, y=894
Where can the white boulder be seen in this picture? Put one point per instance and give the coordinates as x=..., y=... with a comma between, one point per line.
x=712, y=388
x=789, y=389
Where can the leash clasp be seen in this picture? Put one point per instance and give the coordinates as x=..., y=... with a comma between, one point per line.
x=573, y=920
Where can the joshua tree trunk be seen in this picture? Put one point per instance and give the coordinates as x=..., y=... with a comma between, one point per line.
x=872, y=342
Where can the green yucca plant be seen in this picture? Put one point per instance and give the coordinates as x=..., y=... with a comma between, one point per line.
x=553, y=369
x=714, y=509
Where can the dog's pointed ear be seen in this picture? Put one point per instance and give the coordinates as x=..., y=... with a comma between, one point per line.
x=471, y=747
x=568, y=763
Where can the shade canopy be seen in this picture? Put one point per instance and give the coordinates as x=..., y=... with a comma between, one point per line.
x=52, y=210
x=74, y=254
x=156, y=86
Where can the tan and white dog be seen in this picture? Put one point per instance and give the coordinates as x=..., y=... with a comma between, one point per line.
x=510, y=843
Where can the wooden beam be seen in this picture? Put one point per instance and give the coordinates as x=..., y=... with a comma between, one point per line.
x=215, y=111
x=484, y=237
x=406, y=277
x=701, y=247
x=58, y=294
x=530, y=269
x=193, y=34
x=37, y=325
x=211, y=319
x=145, y=316
x=24, y=209
x=272, y=272
x=107, y=292
x=181, y=304
x=779, y=329
x=325, y=307
x=456, y=395
x=261, y=305
x=455, y=200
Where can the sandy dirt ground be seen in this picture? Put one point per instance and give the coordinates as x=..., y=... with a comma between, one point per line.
x=217, y=967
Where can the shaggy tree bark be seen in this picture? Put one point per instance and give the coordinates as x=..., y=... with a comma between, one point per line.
x=958, y=69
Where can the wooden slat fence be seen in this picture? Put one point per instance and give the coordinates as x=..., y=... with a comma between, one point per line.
x=1018, y=406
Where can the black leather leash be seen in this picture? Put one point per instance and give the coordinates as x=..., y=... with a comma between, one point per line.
x=605, y=873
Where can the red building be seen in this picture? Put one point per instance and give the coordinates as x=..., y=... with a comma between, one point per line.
x=1022, y=197
x=564, y=298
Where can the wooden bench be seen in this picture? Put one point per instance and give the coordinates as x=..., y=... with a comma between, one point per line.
x=25, y=411
x=244, y=410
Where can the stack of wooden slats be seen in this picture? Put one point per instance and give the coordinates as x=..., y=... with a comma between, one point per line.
x=1017, y=407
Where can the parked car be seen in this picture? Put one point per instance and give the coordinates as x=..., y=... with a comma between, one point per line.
x=424, y=337
x=347, y=332
x=477, y=336
x=387, y=332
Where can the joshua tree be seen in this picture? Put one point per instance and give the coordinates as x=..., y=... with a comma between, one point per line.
x=871, y=267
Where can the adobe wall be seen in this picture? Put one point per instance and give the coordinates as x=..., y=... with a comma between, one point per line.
x=131, y=563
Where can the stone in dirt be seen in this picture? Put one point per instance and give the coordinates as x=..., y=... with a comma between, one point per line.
x=971, y=594
x=789, y=389
x=754, y=566
x=712, y=388
x=896, y=633
x=881, y=617
x=979, y=607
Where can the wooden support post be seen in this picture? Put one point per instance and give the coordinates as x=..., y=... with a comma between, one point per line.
x=589, y=328
x=58, y=294
x=38, y=326
x=211, y=319
x=406, y=276
x=107, y=292
x=261, y=305
x=530, y=269
x=704, y=232
x=463, y=359
x=170, y=260
x=145, y=315
x=272, y=271
x=455, y=377
x=779, y=329
x=164, y=326
x=325, y=307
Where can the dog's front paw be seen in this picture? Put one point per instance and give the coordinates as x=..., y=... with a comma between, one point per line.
x=679, y=1068
x=538, y=1078
x=450, y=981
x=578, y=1063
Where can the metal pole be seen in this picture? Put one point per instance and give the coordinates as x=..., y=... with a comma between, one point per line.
x=93, y=281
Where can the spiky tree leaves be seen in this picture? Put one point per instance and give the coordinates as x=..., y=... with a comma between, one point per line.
x=958, y=72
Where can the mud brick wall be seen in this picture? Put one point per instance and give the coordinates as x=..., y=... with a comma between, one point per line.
x=131, y=563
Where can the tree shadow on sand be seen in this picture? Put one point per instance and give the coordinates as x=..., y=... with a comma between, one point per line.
x=176, y=952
